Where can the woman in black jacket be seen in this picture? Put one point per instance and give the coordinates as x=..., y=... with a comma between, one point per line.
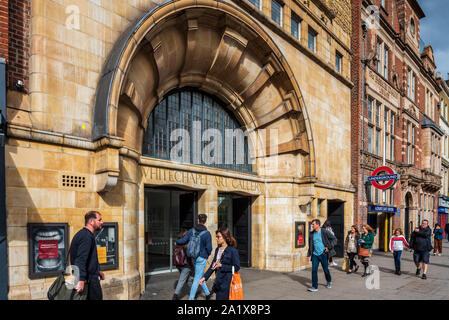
x=226, y=257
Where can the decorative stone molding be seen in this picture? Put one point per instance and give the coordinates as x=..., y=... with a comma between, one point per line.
x=215, y=48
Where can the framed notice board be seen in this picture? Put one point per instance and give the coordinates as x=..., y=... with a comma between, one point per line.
x=107, y=246
x=47, y=249
x=300, y=234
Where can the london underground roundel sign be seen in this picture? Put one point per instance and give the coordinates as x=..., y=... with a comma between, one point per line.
x=383, y=174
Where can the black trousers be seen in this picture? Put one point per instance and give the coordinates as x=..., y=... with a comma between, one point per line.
x=94, y=291
x=352, y=262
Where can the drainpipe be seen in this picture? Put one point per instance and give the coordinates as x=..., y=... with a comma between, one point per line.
x=3, y=244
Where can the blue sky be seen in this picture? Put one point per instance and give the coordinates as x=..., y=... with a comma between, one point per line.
x=435, y=31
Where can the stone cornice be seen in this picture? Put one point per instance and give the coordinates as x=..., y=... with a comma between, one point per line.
x=26, y=133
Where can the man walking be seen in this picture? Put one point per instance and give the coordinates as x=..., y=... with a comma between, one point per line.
x=421, y=242
x=205, y=249
x=321, y=244
x=83, y=254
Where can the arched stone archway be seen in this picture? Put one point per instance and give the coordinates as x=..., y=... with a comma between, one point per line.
x=215, y=47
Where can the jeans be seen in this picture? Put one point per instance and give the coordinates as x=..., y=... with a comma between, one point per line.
x=397, y=260
x=183, y=278
x=199, y=265
x=324, y=263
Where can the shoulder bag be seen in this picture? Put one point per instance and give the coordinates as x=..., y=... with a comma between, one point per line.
x=60, y=290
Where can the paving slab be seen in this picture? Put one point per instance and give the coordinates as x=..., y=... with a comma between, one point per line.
x=381, y=285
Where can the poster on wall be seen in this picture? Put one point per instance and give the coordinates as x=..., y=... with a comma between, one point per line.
x=107, y=246
x=300, y=234
x=47, y=249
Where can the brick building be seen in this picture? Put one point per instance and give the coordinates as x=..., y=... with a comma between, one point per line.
x=104, y=82
x=443, y=205
x=397, y=124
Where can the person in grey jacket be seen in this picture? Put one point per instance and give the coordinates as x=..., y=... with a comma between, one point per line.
x=421, y=242
x=321, y=245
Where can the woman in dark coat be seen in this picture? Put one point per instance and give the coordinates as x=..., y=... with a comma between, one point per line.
x=226, y=257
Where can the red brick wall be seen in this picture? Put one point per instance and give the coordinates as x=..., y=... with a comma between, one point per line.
x=19, y=42
x=4, y=29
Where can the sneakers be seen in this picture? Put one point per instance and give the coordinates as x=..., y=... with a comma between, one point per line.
x=333, y=264
x=312, y=289
x=439, y=254
x=329, y=285
x=424, y=277
x=175, y=297
x=209, y=296
x=418, y=271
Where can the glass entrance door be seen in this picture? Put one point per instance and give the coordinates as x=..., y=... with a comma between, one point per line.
x=167, y=212
x=234, y=212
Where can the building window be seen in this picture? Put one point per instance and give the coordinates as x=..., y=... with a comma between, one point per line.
x=257, y=3
x=370, y=139
x=411, y=79
x=312, y=39
x=338, y=62
x=392, y=136
x=386, y=56
x=378, y=114
x=296, y=26
x=195, y=112
x=410, y=147
x=412, y=26
x=276, y=12
x=382, y=3
x=379, y=56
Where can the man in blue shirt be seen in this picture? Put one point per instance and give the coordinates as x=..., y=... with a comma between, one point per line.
x=200, y=262
x=320, y=243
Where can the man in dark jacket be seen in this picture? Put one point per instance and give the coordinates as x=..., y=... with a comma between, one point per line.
x=321, y=244
x=200, y=262
x=83, y=254
x=421, y=242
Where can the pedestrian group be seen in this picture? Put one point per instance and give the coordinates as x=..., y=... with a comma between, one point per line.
x=193, y=248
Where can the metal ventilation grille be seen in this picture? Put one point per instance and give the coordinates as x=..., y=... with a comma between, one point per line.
x=70, y=181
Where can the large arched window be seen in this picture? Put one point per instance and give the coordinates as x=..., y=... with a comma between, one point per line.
x=193, y=127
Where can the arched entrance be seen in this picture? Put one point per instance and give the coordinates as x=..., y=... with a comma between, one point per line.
x=217, y=49
x=408, y=224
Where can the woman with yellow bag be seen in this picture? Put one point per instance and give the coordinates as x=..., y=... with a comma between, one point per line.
x=226, y=264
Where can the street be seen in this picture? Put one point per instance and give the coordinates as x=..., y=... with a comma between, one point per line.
x=266, y=285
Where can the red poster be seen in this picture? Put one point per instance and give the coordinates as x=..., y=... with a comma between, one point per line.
x=48, y=249
x=300, y=240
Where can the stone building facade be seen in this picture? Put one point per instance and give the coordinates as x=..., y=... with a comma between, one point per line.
x=397, y=124
x=100, y=75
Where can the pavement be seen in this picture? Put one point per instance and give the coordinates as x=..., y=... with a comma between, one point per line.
x=382, y=284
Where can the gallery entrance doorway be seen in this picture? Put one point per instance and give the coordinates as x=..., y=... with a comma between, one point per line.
x=234, y=212
x=167, y=212
x=336, y=216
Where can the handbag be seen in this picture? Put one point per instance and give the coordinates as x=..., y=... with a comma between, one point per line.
x=60, y=290
x=236, y=289
x=179, y=257
x=364, y=252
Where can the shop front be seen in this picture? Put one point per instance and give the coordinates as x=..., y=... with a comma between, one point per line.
x=443, y=211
